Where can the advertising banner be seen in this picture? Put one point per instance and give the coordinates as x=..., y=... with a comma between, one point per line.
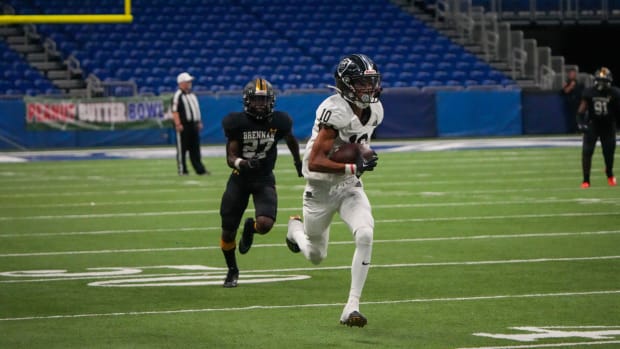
x=98, y=114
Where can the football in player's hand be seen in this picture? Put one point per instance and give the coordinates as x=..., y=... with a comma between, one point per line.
x=348, y=153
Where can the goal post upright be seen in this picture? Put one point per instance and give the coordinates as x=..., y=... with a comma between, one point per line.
x=127, y=17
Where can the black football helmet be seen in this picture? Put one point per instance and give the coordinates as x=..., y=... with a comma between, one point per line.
x=259, y=99
x=358, y=80
x=603, y=79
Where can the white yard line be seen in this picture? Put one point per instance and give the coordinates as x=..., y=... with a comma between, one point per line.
x=192, y=229
x=553, y=345
x=281, y=197
x=111, y=203
x=119, y=231
x=210, y=185
x=312, y=269
x=311, y=305
x=203, y=212
x=298, y=188
x=160, y=177
x=106, y=193
x=507, y=145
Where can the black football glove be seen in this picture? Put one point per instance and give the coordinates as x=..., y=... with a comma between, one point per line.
x=582, y=122
x=252, y=163
x=362, y=165
x=298, y=168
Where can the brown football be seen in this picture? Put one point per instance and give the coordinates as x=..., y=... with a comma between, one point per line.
x=348, y=152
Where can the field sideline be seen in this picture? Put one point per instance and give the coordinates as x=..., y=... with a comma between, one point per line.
x=479, y=243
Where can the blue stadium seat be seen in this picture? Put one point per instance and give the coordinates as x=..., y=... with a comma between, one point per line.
x=427, y=66
x=435, y=83
x=440, y=75
x=391, y=67
x=458, y=75
x=20, y=78
x=497, y=75
x=478, y=75
x=462, y=65
x=444, y=66
x=409, y=66
x=423, y=76
x=266, y=35
x=470, y=82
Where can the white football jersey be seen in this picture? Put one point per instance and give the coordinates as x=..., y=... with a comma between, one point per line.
x=337, y=113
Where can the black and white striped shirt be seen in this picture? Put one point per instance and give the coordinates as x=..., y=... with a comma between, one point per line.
x=186, y=104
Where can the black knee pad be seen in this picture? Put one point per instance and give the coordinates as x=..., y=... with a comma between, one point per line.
x=264, y=224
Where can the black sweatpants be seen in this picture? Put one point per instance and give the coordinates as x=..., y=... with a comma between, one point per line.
x=188, y=141
x=606, y=132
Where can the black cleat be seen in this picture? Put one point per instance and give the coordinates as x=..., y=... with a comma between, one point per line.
x=231, y=278
x=292, y=245
x=355, y=319
x=247, y=237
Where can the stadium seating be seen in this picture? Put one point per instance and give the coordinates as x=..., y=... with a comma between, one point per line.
x=18, y=77
x=225, y=43
x=528, y=11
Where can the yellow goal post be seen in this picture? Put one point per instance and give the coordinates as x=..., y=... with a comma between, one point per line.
x=70, y=19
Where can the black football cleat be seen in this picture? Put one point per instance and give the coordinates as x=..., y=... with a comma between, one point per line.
x=355, y=319
x=247, y=237
x=231, y=278
x=292, y=246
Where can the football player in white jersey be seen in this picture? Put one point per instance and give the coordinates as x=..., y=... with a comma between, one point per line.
x=349, y=116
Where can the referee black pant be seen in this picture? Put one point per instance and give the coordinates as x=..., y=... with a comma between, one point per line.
x=188, y=141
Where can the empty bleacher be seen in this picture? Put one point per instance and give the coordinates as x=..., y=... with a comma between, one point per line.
x=552, y=11
x=19, y=77
x=486, y=27
x=294, y=43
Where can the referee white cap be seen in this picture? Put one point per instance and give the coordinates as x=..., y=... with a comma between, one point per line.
x=184, y=77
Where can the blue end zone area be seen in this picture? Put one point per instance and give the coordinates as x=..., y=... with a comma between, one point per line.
x=219, y=151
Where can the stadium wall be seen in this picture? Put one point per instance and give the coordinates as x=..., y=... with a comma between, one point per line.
x=409, y=114
x=478, y=113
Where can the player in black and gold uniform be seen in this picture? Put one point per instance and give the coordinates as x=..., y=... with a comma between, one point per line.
x=251, y=151
x=596, y=118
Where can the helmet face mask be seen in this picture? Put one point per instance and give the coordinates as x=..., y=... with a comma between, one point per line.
x=602, y=84
x=603, y=79
x=259, y=99
x=259, y=104
x=358, y=80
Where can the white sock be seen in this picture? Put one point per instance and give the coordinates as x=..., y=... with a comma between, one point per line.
x=352, y=305
x=359, y=272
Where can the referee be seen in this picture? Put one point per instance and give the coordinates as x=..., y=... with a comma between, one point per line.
x=188, y=123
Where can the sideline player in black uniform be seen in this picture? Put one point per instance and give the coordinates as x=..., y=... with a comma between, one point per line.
x=596, y=118
x=251, y=151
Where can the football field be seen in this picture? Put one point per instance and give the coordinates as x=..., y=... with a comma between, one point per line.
x=478, y=248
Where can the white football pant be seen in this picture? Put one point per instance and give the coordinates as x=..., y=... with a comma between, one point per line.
x=320, y=203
